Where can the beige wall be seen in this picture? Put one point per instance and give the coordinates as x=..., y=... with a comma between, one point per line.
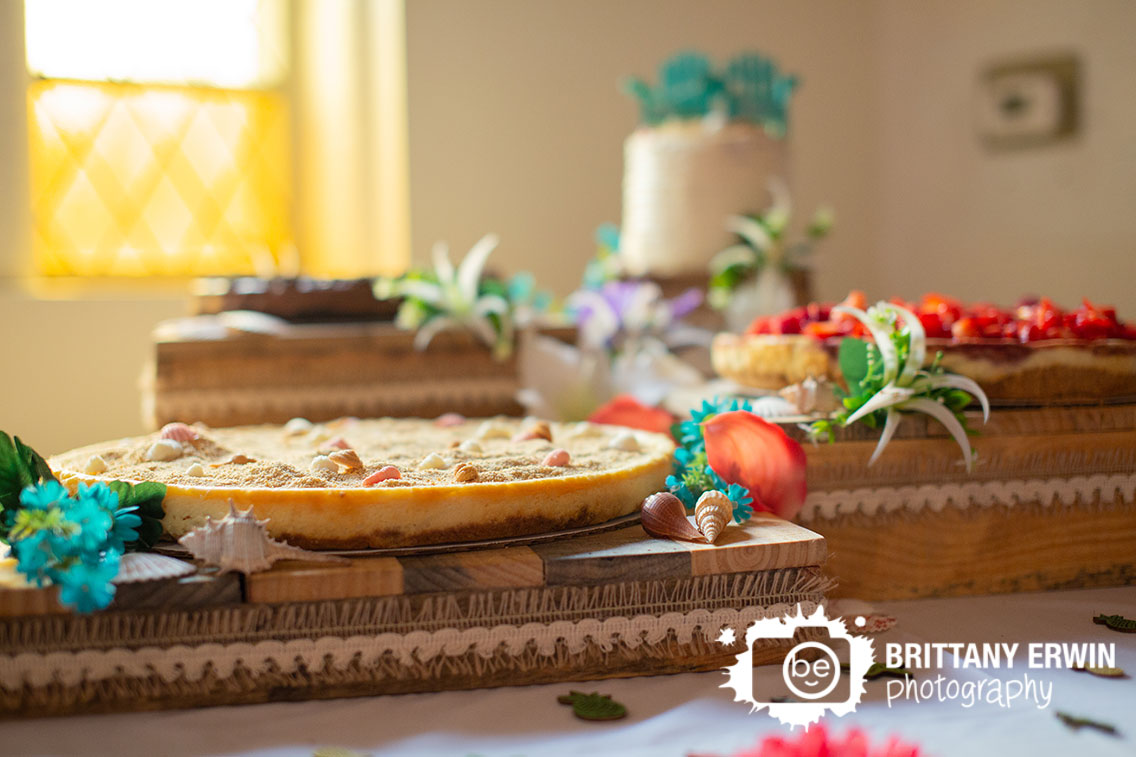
x=516, y=126
x=517, y=123
x=955, y=217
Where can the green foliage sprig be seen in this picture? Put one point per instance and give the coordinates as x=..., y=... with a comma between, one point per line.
x=886, y=379
x=763, y=243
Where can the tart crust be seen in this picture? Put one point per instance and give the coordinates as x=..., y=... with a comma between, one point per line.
x=515, y=495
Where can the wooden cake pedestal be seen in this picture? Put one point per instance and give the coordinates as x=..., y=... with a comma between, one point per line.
x=1051, y=504
x=325, y=371
x=612, y=604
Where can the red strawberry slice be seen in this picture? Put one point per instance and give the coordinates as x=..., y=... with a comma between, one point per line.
x=747, y=450
x=625, y=410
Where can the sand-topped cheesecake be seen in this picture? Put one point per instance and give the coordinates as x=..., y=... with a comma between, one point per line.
x=388, y=482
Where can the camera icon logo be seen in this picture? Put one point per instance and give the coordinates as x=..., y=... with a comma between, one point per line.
x=823, y=670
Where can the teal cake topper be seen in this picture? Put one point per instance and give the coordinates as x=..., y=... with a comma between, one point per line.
x=750, y=88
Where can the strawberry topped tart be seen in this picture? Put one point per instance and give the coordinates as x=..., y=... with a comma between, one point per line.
x=1032, y=353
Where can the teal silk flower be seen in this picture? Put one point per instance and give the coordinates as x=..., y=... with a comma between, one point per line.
x=73, y=542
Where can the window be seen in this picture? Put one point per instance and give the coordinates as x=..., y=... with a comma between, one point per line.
x=159, y=139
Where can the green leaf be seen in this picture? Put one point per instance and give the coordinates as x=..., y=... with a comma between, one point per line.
x=853, y=359
x=147, y=496
x=594, y=706
x=20, y=467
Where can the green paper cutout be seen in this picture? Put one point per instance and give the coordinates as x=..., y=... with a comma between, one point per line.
x=1077, y=723
x=879, y=670
x=1116, y=623
x=1102, y=672
x=594, y=706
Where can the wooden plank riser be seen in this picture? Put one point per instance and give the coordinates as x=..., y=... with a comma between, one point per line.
x=982, y=550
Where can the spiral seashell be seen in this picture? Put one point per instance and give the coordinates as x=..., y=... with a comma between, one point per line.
x=348, y=458
x=239, y=542
x=664, y=517
x=711, y=513
x=135, y=567
x=179, y=432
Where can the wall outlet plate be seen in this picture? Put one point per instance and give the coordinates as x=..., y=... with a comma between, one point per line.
x=1031, y=102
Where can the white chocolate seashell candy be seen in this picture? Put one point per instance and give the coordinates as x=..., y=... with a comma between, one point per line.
x=195, y=470
x=324, y=464
x=433, y=461
x=297, y=426
x=626, y=441
x=493, y=430
x=711, y=513
x=164, y=450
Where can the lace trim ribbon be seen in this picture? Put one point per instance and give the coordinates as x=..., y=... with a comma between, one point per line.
x=191, y=663
x=826, y=505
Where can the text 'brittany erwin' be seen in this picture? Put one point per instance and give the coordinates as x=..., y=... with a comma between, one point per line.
x=1038, y=655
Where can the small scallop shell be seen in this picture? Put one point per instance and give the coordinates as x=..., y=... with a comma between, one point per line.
x=339, y=443
x=664, y=517
x=179, y=432
x=712, y=513
x=348, y=458
x=538, y=430
x=148, y=566
x=95, y=464
x=466, y=473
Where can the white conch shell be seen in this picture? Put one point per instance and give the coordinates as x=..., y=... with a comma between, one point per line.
x=135, y=567
x=240, y=542
x=712, y=512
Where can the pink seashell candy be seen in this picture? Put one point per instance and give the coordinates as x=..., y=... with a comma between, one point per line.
x=339, y=443
x=382, y=474
x=447, y=420
x=557, y=458
x=179, y=432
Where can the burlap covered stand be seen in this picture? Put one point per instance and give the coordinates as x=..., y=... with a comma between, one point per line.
x=661, y=612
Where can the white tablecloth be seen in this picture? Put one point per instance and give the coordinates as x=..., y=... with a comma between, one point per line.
x=668, y=715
